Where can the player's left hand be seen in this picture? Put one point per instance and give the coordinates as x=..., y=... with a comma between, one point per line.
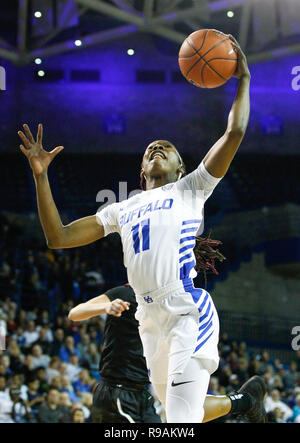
x=242, y=66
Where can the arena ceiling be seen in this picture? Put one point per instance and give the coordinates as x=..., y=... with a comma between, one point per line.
x=266, y=29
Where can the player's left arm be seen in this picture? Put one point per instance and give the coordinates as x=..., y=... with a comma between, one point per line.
x=220, y=156
x=97, y=306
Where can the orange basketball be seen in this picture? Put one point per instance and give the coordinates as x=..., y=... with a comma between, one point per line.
x=207, y=58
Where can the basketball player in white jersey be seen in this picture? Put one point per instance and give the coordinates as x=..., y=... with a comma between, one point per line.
x=179, y=325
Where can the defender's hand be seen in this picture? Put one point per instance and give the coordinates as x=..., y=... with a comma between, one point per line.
x=116, y=307
x=38, y=158
x=242, y=64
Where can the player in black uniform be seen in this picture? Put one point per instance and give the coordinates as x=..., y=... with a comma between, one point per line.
x=122, y=395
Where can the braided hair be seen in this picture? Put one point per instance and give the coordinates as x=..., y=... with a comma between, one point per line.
x=205, y=254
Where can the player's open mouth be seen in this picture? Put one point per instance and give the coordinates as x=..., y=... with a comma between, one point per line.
x=157, y=154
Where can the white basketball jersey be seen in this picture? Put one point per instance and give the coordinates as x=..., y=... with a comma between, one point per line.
x=158, y=230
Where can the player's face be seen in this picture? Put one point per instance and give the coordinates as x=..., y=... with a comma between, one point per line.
x=161, y=157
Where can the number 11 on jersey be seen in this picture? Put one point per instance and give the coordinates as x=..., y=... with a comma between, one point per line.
x=142, y=229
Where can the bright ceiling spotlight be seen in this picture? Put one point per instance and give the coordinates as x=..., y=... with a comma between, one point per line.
x=41, y=73
x=230, y=14
x=38, y=14
x=78, y=43
x=130, y=52
x=38, y=61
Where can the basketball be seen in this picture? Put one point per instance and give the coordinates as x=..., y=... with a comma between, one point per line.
x=207, y=58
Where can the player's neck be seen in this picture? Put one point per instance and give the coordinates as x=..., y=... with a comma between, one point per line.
x=157, y=182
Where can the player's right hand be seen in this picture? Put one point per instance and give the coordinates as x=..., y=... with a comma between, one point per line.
x=116, y=307
x=38, y=158
x=242, y=64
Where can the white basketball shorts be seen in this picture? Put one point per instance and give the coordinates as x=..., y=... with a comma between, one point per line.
x=177, y=322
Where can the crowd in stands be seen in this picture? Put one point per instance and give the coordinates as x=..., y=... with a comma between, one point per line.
x=49, y=369
x=238, y=362
x=49, y=366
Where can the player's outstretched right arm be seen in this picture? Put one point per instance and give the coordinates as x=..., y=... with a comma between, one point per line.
x=96, y=306
x=78, y=233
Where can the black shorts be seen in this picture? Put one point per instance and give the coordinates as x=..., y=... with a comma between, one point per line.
x=119, y=404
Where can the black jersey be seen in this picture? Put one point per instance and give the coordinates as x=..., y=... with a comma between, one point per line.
x=122, y=353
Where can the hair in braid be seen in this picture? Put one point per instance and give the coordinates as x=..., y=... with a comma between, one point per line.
x=205, y=254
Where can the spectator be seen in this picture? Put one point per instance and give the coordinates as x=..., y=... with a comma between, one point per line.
x=232, y=360
x=53, y=369
x=277, y=364
x=277, y=383
x=274, y=401
x=16, y=357
x=6, y=403
x=87, y=403
x=5, y=364
x=18, y=336
x=58, y=341
x=83, y=383
x=50, y=411
x=42, y=378
x=255, y=368
x=66, y=386
x=68, y=350
x=234, y=383
x=22, y=320
x=213, y=388
x=291, y=376
x=91, y=359
x=30, y=334
x=63, y=368
x=73, y=367
x=79, y=405
x=39, y=359
x=225, y=375
x=45, y=339
x=78, y=416
x=83, y=345
x=279, y=415
x=55, y=383
x=11, y=322
x=297, y=359
x=224, y=345
x=296, y=409
x=34, y=397
x=28, y=369
x=64, y=400
x=17, y=380
x=20, y=412
x=45, y=318
x=242, y=369
x=2, y=371
x=264, y=360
